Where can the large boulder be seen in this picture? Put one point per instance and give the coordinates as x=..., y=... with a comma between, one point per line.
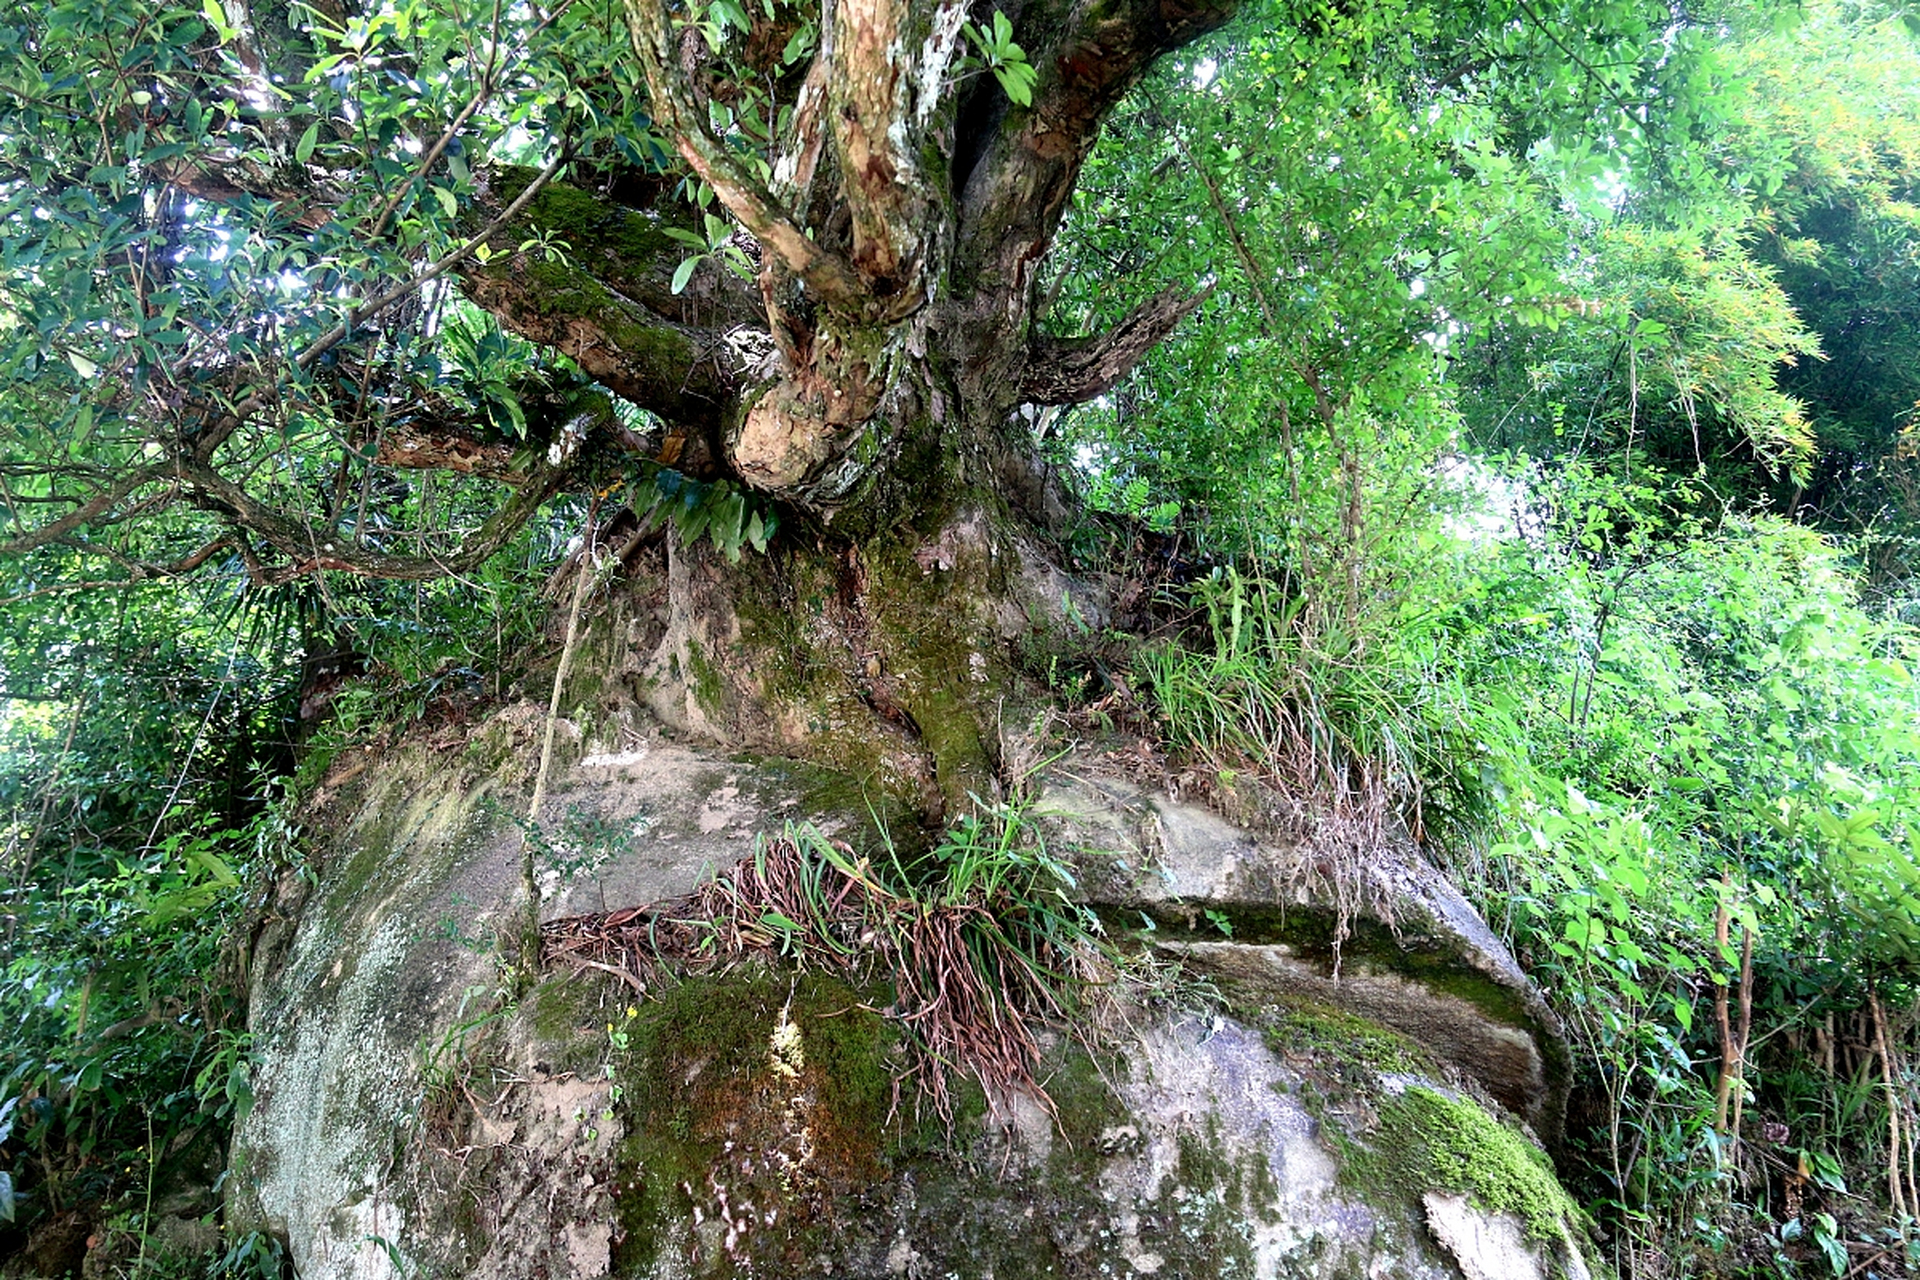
x=411, y=1119
x=1397, y=944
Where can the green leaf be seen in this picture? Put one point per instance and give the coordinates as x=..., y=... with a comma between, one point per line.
x=303, y=149
x=684, y=273
x=1017, y=80
x=728, y=514
x=217, y=15
x=214, y=866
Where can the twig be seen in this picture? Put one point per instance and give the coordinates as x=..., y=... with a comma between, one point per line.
x=199, y=736
x=625, y=975
x=530, y=943
x=487, y=86
x=367, y=310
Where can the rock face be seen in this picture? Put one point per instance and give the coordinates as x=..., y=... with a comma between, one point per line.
x=1264, y=923
x=409, y=1122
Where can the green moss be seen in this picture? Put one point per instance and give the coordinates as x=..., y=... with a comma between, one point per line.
x=645, y=344
x=1427, y=959
x=1307, y=1026
x=349, y=882
x=564, y=1017
x=974, y=1212
x=712, y=1134
x=585, y=221
x=1242, y=1190
x=939, y=657
x=1429, y=1141
x=563, y=289
x=1086, y=1104
x=559, y=288
x=774, y=624
x=754, y=1089
x=877, y=822
x=707, y=686
x=490, y=748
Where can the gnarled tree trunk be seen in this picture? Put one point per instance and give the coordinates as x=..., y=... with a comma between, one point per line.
x=869, y=380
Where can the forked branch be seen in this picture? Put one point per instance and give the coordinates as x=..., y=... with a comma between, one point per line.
x=827, y=274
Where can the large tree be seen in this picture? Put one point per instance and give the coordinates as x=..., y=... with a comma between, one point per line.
x=304, y=290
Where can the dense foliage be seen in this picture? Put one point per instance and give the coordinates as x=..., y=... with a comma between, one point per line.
x=1560, y=511
x=1535, y=476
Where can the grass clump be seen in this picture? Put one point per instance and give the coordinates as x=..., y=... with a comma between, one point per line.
x=978, y=937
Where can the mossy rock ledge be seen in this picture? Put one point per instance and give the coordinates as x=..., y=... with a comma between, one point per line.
x=1265, y=920
x=410, y=1123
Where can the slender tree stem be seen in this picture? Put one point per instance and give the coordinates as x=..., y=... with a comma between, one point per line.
x=530, y=942
x=1896, y=1191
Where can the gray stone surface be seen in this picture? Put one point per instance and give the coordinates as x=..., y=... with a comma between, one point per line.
x=384, y=1142
x=1494, y=1246
x=1417, y=957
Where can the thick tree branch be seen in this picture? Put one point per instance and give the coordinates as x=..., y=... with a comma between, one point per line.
x=1073, y=370
x=411, y=447
x=794, y=172
x=1021, y=164
x=138, y=570
x=892, y=59
x=828, y=275
x=628, y=251
x=686, y=376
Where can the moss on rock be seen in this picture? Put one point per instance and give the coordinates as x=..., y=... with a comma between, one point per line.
x=1428, y=1140
x=754, y=1103
x=763, y=1137
x=1306, y=1027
